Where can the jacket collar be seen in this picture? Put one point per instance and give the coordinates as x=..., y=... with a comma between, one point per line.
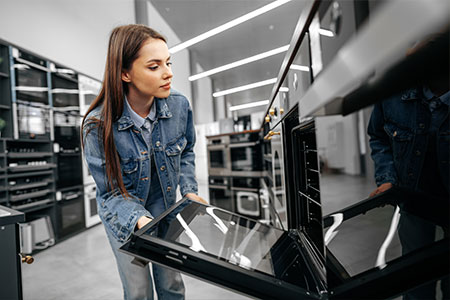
x=162, y=111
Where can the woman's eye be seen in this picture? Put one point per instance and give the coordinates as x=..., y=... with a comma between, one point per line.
x=153, y=68
x=169, y=63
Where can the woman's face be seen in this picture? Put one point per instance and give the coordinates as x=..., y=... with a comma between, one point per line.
x=150, y=74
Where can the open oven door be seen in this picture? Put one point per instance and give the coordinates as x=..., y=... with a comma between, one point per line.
x=229, y=250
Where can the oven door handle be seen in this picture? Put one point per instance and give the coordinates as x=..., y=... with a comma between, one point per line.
x=240, y=145
x=71, y=197
x=221, y=187
x=244, y=189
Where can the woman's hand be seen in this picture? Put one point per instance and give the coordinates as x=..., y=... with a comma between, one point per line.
x=197, y=198
x=142, y=221
x=382, y=188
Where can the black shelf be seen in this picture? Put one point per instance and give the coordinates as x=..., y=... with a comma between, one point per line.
x=28, y=185
x=34, y=206
x=29, y=174
x=3, y=106
x=26, y=168
x=29, y=154
x=4, y=75
x=40, y=193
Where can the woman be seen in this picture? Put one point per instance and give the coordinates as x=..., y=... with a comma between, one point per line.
x=138, y=139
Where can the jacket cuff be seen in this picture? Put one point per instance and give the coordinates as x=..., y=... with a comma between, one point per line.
x=385, y=179
x=126, y=231
x=186, y=189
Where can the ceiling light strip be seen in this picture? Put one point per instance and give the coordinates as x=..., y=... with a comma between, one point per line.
x=299, y=68
x=249, y=105
x=239, y=63
x=245, y=87
x=228, y=25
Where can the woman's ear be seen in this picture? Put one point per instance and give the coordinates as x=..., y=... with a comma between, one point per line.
x=126, y=76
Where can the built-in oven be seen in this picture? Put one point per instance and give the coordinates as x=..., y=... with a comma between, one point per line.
x=70, y=211
x=30, y=99
x=90, y=205
x=246, y=154
x=64, y=91
x=246, y=198
x=219, y=155
x=220, y=193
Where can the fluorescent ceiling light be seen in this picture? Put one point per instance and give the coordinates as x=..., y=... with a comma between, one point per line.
x=245, y=87
x=299, y=68
x=248, y=105
x=239, y=63
x=326, y=32
x=284, y=89
x=227, y=25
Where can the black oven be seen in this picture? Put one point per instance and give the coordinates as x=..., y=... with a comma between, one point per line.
x=33, y=120
x=70, y=208
x=65, y=91
x=70, y=171
x=30, y=77
x=220, y=192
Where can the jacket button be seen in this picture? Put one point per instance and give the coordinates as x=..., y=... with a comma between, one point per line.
x=158, y=143
x=168, y=188
x=144, y=178
x=144, y=152
x=395, y=133
x=162, y=168
x=418, y=153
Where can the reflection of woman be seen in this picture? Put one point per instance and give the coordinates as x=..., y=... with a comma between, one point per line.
x=138, y=139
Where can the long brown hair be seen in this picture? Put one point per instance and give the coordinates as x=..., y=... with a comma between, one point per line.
x=124, y=45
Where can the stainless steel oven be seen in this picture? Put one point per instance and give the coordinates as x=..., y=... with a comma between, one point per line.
x=90, y=205
x=33, y=120
x=219, y=155
x=70, y=211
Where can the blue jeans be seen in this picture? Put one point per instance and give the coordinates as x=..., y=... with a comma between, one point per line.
x=137, y=282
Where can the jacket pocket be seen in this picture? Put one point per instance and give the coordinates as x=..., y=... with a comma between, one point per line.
x=129, y=171
x=173, y=152
x=400, y=140
x=176, y=147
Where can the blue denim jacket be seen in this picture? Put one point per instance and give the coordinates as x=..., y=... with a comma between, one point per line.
x=172, y=140
x=399, y=131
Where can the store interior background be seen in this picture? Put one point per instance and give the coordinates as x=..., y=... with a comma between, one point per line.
x=75, y=34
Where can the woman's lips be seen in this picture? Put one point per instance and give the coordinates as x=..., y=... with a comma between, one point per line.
x=166, y=87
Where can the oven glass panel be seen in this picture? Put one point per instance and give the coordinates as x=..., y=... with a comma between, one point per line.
x=65, y=92
x=246, y=158
x=31, y=84
x=33, y=119
x=217, y=158
x=69, y=170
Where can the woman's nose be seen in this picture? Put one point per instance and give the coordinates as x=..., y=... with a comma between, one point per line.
x=168, y=73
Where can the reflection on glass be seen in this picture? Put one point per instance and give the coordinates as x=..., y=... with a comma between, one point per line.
x=237, y=240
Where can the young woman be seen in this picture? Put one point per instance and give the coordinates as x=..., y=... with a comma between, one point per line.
x=138, y=139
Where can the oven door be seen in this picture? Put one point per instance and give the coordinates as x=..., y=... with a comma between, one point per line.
x=69, y=170
x=246, y=159
x=31, y=84
x=246, y=196
x=33, y=120
x=90, y=205
x=228, y=250
x=70, y=209
x=218, y=160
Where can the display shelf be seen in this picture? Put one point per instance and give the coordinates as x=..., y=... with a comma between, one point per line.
x=34, y=206
x=26, y=168
x=28, y=185
x=37, y=173
x=28, y=154
x=14, y=198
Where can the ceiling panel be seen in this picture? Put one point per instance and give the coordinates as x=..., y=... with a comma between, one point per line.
x=189, y=18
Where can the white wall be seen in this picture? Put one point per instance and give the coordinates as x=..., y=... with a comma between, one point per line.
x=70, y=32
x=180, y=60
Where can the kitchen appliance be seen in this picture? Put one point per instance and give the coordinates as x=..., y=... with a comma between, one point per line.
x=32, y=116
x=70, y=211
x=246, y=153
x=36, y=235
x=246, y=196
x=218, y=155
x=90, y=205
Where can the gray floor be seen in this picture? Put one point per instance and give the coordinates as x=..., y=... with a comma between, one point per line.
x=83, y=267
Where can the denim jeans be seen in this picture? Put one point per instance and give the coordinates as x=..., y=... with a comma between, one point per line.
x=137, y=282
